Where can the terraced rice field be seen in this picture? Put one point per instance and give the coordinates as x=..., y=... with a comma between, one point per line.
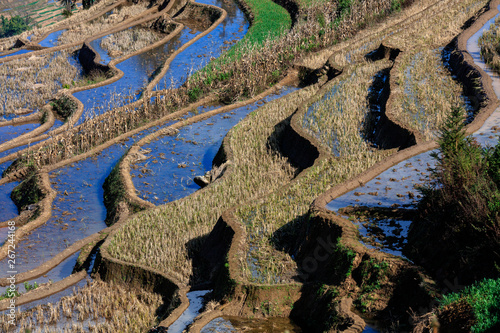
x=42, y=12
x=220, y=166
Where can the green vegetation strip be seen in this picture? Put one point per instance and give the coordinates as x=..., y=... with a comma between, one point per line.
x=270, y=21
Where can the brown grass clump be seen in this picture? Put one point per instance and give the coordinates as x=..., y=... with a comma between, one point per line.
x=129, y=41
x=96, y=307
x=426, y=92
x=31, y=82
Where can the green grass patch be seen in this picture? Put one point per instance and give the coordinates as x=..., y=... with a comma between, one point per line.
x=484, y=298
x=270, y=21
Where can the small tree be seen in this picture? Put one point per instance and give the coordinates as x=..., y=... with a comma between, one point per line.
x=460, y=208
x=87, y=3
x=70, y=4
x=14, y=26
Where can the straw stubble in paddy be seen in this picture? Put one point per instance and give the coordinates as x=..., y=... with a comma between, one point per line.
x=130, y=40
x=97, y=307
x=336, y=119
x=425, y=92
x=158, y=237
x=29, y=83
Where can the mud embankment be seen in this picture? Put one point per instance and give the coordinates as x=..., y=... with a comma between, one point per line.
x=139, y=277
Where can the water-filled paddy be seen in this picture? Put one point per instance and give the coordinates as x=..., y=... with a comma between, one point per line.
x=78, y=210
x=173, y=161
x=9, y=209
x=51, y=39
x=196, y=56
x=9, y=132
x=187, y=317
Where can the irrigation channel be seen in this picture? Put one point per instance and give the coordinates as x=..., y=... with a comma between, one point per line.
x=397, y=187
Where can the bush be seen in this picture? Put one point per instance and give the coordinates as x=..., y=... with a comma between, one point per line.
x=457, y=232
x=27, y=193
x=64, y=106
x=66, y=13
x=14, y=26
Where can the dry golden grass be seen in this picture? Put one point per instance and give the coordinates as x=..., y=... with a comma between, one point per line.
x=30, y=82
x=440, y=27
x=489, y=43
x=337, y=120
x=429, y=24
x=159, y=237
x=96, y=307
x=426, y=92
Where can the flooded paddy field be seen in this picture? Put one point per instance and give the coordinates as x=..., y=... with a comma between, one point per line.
x=165, y=168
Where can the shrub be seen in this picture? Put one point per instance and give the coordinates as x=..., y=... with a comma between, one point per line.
x=27, y=193
x=14, y=26
x=458, y=228
x=88, y=3
x=64, y=106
